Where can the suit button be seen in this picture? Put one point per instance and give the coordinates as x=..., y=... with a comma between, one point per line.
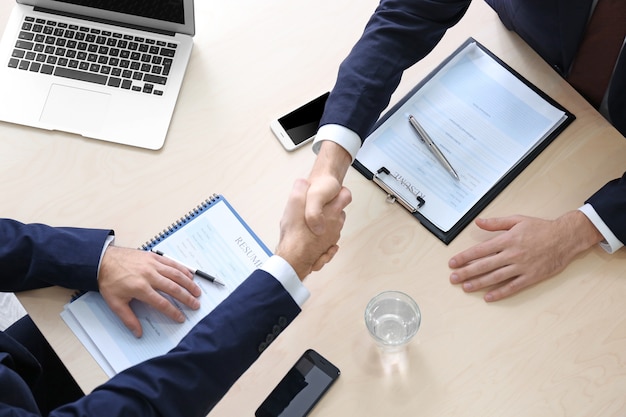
x=269, y=338
x=282, y=321
x=262, y=347
x=276, y=330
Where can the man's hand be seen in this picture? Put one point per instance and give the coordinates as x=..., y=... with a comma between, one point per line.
x=127, y=274
x=528, y=251
x=304, y=250
x=325, y=181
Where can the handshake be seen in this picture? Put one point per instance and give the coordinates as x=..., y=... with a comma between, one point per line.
x=308, y=248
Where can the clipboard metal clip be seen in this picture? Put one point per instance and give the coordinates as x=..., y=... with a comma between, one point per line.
x=393, y=196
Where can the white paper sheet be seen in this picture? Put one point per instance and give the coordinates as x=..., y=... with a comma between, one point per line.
x=216, y=242
x=484, y=120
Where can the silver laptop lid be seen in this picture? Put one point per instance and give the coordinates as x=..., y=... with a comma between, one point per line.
x=161, y=15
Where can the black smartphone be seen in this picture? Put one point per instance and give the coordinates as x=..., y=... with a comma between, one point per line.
x=298, y=127
x=301, y=388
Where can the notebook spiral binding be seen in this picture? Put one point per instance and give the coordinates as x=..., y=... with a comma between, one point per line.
x=180, y=222
x=167, y=231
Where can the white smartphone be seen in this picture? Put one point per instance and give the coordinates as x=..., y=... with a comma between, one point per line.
x=298, y=127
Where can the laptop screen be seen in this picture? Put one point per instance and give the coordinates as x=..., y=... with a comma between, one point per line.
x=175, y=16
x=168, y=10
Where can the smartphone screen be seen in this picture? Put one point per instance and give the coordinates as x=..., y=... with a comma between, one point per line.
x=301, y=124
x=301, y=388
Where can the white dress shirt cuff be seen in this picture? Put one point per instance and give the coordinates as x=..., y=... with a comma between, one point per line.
x=284, y=273
x=107, y=242
x=341, y=135
x=611, y=243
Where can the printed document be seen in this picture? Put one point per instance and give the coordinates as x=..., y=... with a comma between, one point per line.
x=217, y=242
x=482, y=117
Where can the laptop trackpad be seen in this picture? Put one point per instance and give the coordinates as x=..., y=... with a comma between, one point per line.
x=75, y=109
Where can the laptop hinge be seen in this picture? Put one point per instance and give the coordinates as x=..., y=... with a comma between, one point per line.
x=108, y=22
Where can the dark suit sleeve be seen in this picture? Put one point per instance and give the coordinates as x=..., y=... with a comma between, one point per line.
x=189, y=380
x=400, y=33
x=36, y=255
x=610, y=204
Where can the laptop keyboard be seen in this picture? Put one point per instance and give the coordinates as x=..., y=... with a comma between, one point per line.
x=108, y=58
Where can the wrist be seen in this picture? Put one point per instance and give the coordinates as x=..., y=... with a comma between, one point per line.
x=582, y=232
x=332, y=160
x=300, y=268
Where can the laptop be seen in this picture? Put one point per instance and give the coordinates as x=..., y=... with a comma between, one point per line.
x=102, y=69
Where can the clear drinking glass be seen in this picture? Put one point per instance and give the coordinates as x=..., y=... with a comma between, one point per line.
x=392, y=318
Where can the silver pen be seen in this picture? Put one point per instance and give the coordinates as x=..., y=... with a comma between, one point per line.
x=424, y=137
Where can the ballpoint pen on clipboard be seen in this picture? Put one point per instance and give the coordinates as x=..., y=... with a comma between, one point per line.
x=434, y=149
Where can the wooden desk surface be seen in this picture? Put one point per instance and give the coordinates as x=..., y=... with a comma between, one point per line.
x=558, y=348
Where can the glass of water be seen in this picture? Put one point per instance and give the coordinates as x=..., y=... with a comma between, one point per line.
x=392, y=318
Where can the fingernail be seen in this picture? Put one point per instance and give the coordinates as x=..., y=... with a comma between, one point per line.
x=488, y=297
x=468, y=286
x=454, y=278
x=452, y=263
x=195, y=304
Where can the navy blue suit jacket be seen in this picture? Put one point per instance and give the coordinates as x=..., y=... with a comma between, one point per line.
x=401, y=32
x=188, y=381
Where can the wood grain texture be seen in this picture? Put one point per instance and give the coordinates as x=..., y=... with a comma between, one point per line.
x=556, y=349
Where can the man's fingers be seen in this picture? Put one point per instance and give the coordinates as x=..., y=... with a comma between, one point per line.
x=342, y=199
x=314, y=217
x=495, y=224
x=489, y=278
x=179, y=278
x=320, y=193
x=125, y=313
x=297, y=198
x=480, y=251
x=162, y=304
x=173, y=289
x=505, y=290
x=325, y=258
x=333, y=211
x=299, y=191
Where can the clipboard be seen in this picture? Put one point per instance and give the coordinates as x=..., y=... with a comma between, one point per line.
x=413, y=200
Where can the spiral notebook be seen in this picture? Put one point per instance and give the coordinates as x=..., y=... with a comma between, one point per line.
x=213, y=238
